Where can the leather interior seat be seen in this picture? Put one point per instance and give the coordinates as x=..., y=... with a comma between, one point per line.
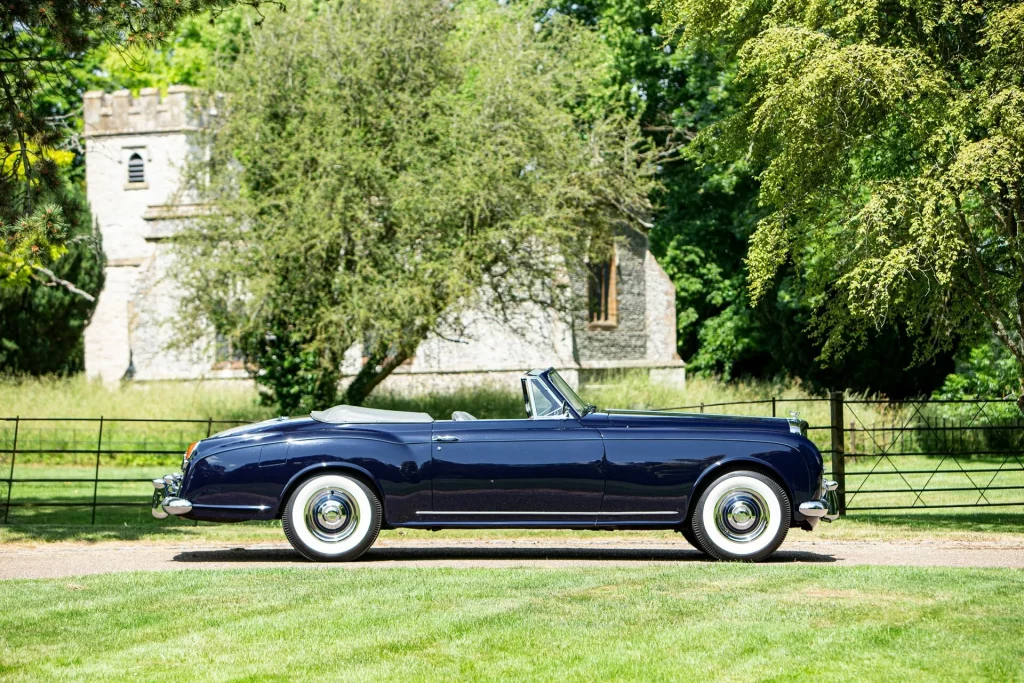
x=461, y=416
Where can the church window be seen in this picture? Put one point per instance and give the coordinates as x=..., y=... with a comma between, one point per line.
x=226, y=355
x=136, y=169
x=602, y=298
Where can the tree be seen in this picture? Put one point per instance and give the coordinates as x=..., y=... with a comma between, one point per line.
x=41, y=324
x=381, y=166
x=888, y=141
x=43, y=44
x=705, y=213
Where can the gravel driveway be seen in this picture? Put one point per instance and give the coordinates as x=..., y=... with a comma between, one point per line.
x=72, y=559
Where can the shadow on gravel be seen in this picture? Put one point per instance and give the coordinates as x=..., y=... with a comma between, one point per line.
x=459, y=553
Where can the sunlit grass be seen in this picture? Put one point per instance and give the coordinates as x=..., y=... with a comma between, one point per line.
x=671, y=622
x=222, y=400
x=80, y=397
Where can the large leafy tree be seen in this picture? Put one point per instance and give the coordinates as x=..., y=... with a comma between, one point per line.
x=381, y=165
x=888, y=139
x=706, y=211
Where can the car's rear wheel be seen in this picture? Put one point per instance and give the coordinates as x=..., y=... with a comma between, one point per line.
x=332, y=517
x=742, y=516
x=687, y=531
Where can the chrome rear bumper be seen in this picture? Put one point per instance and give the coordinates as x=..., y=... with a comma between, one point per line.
x=165, y=497
x=825, y=507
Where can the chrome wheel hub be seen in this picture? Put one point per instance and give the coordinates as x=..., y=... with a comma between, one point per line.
x=331, y=515
x=741, y=515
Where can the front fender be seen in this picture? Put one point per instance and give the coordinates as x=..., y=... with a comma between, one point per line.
x=326, y=467
x=792, y=474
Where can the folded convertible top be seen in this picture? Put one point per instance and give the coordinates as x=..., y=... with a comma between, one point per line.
x=357, y=415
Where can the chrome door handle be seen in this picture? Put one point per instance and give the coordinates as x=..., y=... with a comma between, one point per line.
x=446, y=439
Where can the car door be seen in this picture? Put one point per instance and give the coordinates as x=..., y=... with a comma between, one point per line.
x=543, y=470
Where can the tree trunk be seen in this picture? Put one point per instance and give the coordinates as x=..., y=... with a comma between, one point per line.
x=374, y=371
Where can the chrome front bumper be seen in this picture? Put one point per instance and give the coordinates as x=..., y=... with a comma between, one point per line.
x=825, y=507
x=165, y=497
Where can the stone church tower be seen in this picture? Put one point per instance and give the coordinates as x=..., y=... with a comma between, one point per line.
x=135, y=151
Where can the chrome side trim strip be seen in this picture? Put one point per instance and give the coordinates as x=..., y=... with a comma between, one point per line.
x=563, y=514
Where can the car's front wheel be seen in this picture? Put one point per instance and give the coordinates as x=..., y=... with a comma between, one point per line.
x=332, y=517
x=741, y=516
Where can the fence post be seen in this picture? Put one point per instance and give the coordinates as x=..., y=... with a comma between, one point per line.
x=773, y=406
x=10, y=475
x=209, y=427
x=96, y=474
x=838, y=449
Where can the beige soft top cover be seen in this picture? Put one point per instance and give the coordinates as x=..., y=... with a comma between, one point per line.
x=357, y=415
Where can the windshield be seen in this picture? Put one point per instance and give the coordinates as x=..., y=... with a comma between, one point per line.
x=565, y=390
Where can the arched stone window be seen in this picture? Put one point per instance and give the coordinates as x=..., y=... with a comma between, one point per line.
x=136, y=169
x=602, y=297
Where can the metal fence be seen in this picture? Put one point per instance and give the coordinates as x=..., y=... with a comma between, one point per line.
x=917, y=454
x=885, y=455
x=70, y=470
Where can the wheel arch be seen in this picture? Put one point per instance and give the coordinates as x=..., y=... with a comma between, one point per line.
x=345, y=468
x=733, y=465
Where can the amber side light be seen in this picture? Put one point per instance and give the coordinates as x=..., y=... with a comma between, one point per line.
x=189, y=450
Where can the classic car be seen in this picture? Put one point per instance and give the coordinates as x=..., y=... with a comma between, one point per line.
x=732, y=486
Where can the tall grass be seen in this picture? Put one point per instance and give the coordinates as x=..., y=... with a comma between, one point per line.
x=80, y=397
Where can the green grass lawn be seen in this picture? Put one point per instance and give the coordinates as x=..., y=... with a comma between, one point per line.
x=652, y=623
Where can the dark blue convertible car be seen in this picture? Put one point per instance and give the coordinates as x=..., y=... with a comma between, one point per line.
x=732, y=486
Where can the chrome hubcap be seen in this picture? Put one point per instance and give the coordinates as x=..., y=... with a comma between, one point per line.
x=331, y=515
x=741, y=515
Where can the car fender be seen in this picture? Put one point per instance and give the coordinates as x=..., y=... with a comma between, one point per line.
x=732, y=463
x=326, y=466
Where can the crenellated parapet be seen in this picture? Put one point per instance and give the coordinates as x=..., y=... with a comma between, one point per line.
x=119, y=113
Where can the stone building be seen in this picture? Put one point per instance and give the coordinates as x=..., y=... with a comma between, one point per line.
x=135, y=150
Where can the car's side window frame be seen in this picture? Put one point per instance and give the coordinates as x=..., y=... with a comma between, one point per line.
x=530, y=386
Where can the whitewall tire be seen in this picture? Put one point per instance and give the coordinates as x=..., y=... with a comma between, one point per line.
x=687, y=531
x=742, y=516
x=332, y=517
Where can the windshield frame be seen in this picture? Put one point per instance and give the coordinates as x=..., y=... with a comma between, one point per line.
x=572, y=398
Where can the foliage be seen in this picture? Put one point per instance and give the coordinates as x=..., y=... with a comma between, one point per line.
x=185, y=57
x=382, y=166
x=987, y=370
x=54, y=270
x=888, y=142
x=706, y=211
x=45, y=47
